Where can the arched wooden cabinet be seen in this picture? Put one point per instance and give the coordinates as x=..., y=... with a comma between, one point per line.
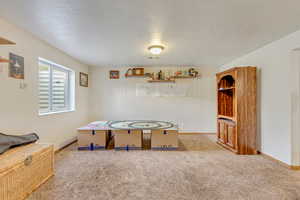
x=236, y=89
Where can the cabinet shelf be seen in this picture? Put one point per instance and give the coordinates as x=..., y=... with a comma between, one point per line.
x=226, y=97
x=226, y=117
x=226, y=146
x=226, y=89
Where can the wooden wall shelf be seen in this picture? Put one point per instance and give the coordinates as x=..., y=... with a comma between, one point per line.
x=161, y=81
x=136, y=76
x=132, y=73
x=184, y=77
x=2, y=60
x=126, y=75
x=4, y=41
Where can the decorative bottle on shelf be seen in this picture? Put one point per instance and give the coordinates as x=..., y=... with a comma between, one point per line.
x=159, y=75
x=169, y=74
x=128, y=72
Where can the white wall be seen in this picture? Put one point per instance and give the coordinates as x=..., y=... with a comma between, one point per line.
x=295, y=107
x=117, y=100
x=275, y=83
x=19, y=108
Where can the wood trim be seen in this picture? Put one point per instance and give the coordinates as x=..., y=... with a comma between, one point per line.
x=226, y=147
x=279, y=162
x=233, y=69
x=4, y=41
x=62, y=148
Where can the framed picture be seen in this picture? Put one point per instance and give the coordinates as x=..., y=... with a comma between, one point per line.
x=16, y=66
x=114, y=74
x=83, y=79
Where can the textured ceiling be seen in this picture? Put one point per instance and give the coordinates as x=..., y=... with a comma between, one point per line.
x=116, y=32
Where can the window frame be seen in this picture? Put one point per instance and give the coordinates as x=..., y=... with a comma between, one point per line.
x=69, y=94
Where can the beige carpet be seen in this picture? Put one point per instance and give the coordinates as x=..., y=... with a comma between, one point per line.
x=200, y=170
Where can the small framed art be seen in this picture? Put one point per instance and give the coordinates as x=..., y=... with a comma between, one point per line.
x=83, y=79
x=114, y=74
x=16, y=66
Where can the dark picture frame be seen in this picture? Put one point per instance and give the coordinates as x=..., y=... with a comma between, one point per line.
x=114, y=74
x=83, y=79
x=16, y=66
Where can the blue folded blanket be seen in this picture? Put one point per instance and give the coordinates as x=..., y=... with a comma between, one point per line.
x=11, y=141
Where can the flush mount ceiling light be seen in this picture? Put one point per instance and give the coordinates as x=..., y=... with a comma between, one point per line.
x=156, y=49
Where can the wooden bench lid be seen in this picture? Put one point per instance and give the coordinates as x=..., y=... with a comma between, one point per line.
x=18, y=155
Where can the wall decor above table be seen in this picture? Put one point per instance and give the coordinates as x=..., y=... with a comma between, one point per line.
x=162, y=76
x=83, y=79
x=114, y=74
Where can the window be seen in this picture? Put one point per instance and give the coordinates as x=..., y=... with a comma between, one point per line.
x=56, y=88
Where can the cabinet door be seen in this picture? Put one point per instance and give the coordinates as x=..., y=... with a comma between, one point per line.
x=221, y=131
x=231, y=136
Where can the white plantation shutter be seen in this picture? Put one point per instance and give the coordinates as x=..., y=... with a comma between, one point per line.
x=54, y=87
x=44, y=87
x=59, y=89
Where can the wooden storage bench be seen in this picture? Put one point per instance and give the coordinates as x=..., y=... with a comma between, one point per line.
x=92, y=140
x=24, y=169
x=164, y=139
x=128, y=139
